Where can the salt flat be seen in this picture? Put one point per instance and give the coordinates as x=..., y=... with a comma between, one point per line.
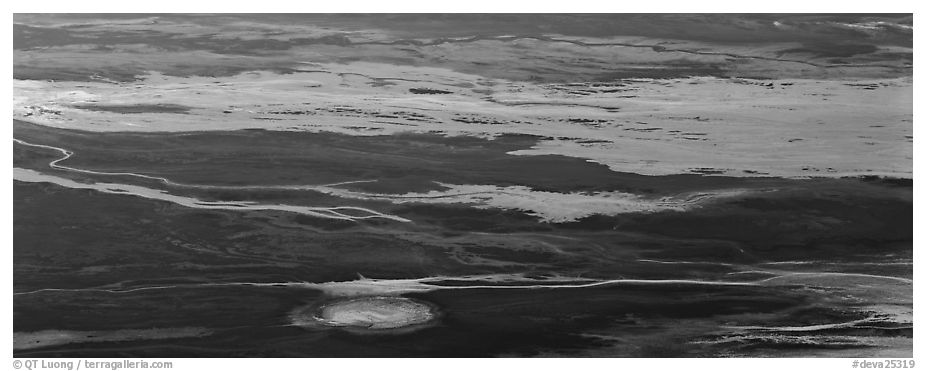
x=463, y=185
x=735, y=127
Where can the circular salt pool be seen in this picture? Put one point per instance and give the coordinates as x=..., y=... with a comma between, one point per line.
x=368, y=313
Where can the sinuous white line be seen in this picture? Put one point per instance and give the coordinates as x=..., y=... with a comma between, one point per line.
x=423, y=283
x=837, y=274
x=808, y=328
x=139, y=191
x=165, y=287
x=67, y=154
x=366, y=285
